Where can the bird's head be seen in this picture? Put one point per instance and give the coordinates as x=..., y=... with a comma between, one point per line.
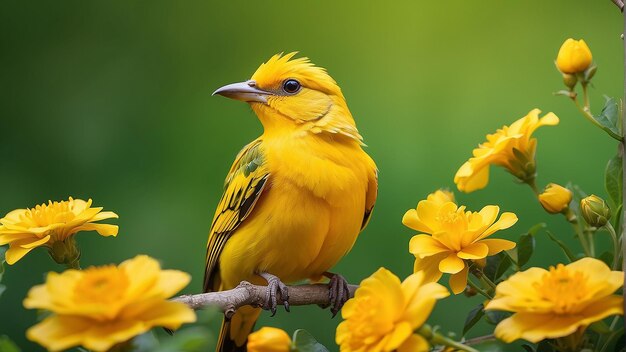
x=288, y=94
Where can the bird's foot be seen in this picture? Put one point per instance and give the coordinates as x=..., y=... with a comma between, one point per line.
x=274, y=287
x=338, y=292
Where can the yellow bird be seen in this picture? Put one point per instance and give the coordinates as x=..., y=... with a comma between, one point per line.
x=296, y=198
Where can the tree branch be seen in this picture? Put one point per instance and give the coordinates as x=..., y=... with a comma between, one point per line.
x=248, y=294
x=619, y=3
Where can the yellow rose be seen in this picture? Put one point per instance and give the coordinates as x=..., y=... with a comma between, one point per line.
x=384, y=314
x=549, y=304
x=574, y=56
x=102, y=306
x=555, y=199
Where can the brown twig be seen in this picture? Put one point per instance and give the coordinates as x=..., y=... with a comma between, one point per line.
x=248, y=294
x=619, y=3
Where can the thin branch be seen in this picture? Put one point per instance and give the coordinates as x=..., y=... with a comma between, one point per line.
x=619, y=3
x=248, y=294
x=478, y=340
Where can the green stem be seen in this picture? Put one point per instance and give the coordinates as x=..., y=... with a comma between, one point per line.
x=487, y=281
x=478, y=289
x=587, y=106
x=573, y=219
x=592, y=244
x=436, y=338
x=533, y=186
x=616, y=246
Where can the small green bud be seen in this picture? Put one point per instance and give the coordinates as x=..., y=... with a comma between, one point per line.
x=570, y=80
x=590, y=72
x=65, y=252
x=595, y=210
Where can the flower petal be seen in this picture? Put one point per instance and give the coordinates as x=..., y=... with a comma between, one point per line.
x=474, y=251
x=425, y=246
x=452, y=264
x=506, y=220
x=429, y=266
x=401, y=332
x=497, y=245
x=415, y=343
x=458, y=281
x=102, y=229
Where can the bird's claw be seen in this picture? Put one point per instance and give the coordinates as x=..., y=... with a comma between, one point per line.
x=338, y=293
x=275, y=286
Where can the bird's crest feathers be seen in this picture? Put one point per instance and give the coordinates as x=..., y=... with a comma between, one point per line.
x=283, y=66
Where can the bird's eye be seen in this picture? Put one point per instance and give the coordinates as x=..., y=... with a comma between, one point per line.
x=291, y=86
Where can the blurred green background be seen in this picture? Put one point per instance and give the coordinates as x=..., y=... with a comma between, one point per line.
x=111, y=100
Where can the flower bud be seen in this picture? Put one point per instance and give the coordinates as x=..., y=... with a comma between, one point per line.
x=595, y=210
x=555, y=198
x=269, y=339
x=65, y=252
x=574, y=56
x=570, y=80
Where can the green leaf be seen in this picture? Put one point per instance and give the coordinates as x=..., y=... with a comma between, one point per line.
x=6, y=345
x=191, y=339
x=473, y=317
x=305, y=342
x=497, y=265
x=560, y=243
x=609, y=118
x=613, y=183
x=495, y=316
x=528, y=348
x=145, y=342
x=504, y=265
x=526, y=244
x=2, y=289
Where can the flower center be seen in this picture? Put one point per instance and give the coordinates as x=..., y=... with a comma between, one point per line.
x=451, y=217
x=564, y=288
x=46, y=214
x=101, y=285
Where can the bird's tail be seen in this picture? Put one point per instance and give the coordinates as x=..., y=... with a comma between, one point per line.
x=234, y=332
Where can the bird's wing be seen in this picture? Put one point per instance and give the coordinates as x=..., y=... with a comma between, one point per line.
x=370, y=197
x=243, y=187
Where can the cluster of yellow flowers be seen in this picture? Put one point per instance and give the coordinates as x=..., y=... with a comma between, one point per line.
x=98, y=307
x=556, y=304
x=101, y=307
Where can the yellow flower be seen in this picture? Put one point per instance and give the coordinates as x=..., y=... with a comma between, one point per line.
x=268, y=339
x=556, y=303
x=384, y=313
x=456, y=235
x=574, y=56
x=47, y=224
x=555, y=198
x=102, y=306
x=510, y=147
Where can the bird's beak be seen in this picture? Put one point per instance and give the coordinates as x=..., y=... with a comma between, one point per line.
x=245, y=91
